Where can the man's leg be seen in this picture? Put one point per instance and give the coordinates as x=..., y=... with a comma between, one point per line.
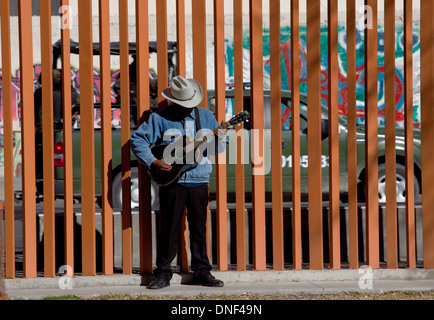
x=197, y=206
x=197, y=212
x=172, y=204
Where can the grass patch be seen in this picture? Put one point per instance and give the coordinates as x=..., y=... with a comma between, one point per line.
x=389, y=295
x=65, y=297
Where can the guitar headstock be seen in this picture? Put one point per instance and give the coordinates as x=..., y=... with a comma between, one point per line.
x=239, y=117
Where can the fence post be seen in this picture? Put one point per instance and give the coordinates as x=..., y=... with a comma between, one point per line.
x=3, y=294
x=239, y=166
x=409, y=165
x=106, y=138
x=257, y=140
x=125, y=138
x=427, y=129
x=333, y=92
x=371, y=146
x=295, y=137
x=314, y=136
x=27, y=138
x=219, y=60
x=47, y=140
x=145, y=214
x=352, y=137
x=389, y=75
x=276, y=137
x=68, y=206
x=8, y=139
x=87, y=145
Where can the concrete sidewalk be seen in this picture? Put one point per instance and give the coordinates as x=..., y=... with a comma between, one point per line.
x=252, y=282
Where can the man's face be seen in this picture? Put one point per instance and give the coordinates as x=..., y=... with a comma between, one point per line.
x=182, y=110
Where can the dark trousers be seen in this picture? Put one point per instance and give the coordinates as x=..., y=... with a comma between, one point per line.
x=174, y=199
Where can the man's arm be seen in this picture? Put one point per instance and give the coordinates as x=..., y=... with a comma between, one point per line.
x=221, y=140
x=141, y=140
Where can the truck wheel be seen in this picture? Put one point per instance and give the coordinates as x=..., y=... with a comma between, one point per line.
x=117, y=191
x=400, y=184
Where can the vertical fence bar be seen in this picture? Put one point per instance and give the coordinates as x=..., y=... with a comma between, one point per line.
x=221, y=196
x=87, y=141
x=389, y=75
x=408, y=123
x=180, y=36
x=125, y=139
x=183, y=243
x=9, y=208
x=314, y=134
x=240, y=219
x=28, y=138
x=333, y=105
x=143, y=106
x=181, y=66
x=67, y=137
x=162, y=64
x=48, y=134
x=295, y=146
x=427, y=128
x=353, y=240
x=106, y=138
x=276, y=135
x=257, y=135
x=199, y=46
x=200, y=64
x=371, y=140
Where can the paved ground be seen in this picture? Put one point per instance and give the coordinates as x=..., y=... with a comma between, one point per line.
x=253, y=282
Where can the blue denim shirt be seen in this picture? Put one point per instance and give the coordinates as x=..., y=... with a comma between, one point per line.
x=165, y=126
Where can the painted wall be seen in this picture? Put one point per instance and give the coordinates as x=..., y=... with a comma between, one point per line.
x=342, y=80
x=286, y=71
x=285, y=62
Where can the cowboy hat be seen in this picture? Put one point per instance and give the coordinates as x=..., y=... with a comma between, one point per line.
x=184, y=92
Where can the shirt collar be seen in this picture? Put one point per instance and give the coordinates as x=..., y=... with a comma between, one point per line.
x=191, y=115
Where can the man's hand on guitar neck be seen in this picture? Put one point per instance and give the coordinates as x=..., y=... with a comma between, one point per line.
x=221, y=133
x=161, y=166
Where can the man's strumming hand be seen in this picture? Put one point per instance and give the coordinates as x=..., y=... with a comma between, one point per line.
x=161, y=166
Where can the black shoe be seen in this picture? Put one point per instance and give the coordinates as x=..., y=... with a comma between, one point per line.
x=159, y=283
x=209, y=281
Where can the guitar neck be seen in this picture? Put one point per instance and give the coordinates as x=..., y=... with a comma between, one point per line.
x=210, y=134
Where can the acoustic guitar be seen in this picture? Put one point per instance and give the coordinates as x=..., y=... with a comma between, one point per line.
x=184, y=153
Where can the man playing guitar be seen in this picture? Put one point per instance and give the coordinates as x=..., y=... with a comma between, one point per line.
x=190, y=187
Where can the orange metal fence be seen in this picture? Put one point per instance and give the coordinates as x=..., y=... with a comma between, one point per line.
x=324, y=231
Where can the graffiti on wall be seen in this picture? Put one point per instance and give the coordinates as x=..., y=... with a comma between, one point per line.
x=286, y=75
x=75, y=85
x=286, y=72
x=342, y=77
x=16, y=154
x=16, y=110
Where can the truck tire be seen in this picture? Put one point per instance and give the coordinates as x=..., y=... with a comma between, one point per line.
x=117, y=191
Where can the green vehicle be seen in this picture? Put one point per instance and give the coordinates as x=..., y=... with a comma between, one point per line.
x=343, y=161
x=286, y=148
x=286, y=158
